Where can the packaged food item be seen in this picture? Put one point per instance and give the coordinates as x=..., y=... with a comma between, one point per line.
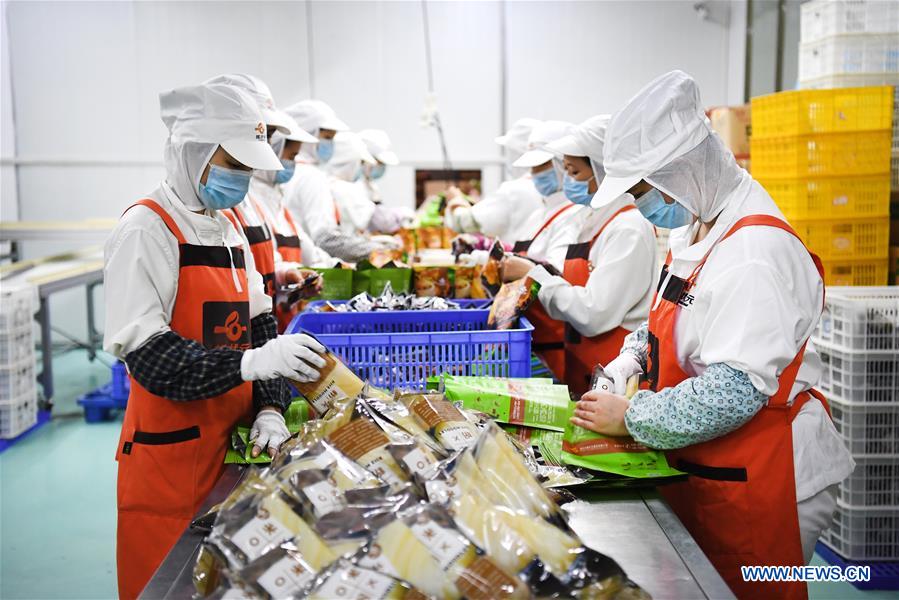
x=442, y=421
x=281, y=573
x=348, y=581
x=410, y=243
x=431, y=237
x=468, y=282
x=241, y=450
x=619, y=455
x=514, y=401
x=337, y=282
x=503, y=466
x=371, y=279
x=366, y=443
x=510, y=302
x=382, y=256
x=548, y=443
x=208, y=570
x=432, y=281
x=491, y=275
x=336, y=382
x=346, y=474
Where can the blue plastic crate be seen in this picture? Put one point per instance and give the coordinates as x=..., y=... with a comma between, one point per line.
x=100, y=404
x=401, y=349
x=884, y=575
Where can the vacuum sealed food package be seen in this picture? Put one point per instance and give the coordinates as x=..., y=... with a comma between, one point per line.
x=511, y=301
x=367, y=444
x=441, y=420
x=345, y=580
x=281, y=573
x=468, y=283
x=536, y=403
x=336, y=381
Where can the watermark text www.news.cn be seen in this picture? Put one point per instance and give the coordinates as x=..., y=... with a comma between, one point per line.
x=849, y=574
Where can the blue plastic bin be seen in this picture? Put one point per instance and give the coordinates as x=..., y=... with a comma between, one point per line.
x=100, y=404
x=401, y=349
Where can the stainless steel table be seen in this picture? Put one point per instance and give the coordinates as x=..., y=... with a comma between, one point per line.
x=637, y=529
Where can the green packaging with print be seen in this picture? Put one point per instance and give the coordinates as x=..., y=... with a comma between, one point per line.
x=241, y=449
x=512, y=401
x=619, y=455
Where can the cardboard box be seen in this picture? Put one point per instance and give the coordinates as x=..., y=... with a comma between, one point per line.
x=733, y=124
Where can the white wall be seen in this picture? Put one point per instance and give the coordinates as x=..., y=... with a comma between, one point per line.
x=84, y=78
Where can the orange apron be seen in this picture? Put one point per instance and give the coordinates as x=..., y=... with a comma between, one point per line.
x=261, y=244
x=740, y=501
x=170, y=453
x=549, y=334
x=582, y=354
x=289, y=247
x=288, y=242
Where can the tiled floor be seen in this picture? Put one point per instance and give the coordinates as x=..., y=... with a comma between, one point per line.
x=57, y=503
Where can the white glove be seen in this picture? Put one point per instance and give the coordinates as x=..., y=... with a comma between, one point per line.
x=268, y=432
x=621, y=369
x=285, y=356
x=384, y=220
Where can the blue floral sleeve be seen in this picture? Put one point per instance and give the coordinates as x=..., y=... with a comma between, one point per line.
x=696, y=410
x=637, y=343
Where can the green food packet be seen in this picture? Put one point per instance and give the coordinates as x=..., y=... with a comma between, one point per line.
x=547, y=442
x=337, y=284
x=240, y=452
x=619, y=455
x=513, y=401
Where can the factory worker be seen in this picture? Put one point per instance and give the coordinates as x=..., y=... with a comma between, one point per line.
x=188, y=314
x=345, y=170
x=726, y=349
x=609, y=275
x=385, y=219
x=248, y=215
x=505, y=212
x=551, y=229
x=308, y=194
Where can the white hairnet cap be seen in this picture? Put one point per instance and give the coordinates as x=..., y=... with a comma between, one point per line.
x=349, y=153
x=219, y=114
x=378, y=143
x=313, y=115
x=280, y=120
x=663, y=121
x=516, y=139
x=541, y=137
x=588, y=140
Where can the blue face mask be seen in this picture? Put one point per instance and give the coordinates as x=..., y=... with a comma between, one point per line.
x=225, y=188
x=546, y=182
x=325, y=150
x=377, y=171
x=577, y=191
x=284, y=175
x=652, y=205
x=358, y=174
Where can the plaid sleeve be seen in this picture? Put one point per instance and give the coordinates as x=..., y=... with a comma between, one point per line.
x=179, y=369
x=272, y=392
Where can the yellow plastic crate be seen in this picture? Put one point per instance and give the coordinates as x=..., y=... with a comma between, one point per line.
x=826, y=154
x=803, y=112
x=856, y=272
x=846, y=239
x=831, y=197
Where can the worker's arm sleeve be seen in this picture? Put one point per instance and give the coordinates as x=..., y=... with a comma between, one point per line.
x=345, y=246
x=621, y=276
x=271, y=392
x=180, y=369
x=637, y=343
x=696, y=410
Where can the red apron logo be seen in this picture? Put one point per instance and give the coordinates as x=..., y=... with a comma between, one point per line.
x=225, y=324
x=232, y=328
x=260, y=132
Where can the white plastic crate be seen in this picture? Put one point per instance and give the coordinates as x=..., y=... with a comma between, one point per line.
x=17, y=345
x=864, y=533
x=848, y=55
x=823, y=18
x=17, y=415
x=868, y=430
x=860, y=318
x=16, y=380
x=849, y=81
x=17, y=307
x=873, y=484
x=858, y=376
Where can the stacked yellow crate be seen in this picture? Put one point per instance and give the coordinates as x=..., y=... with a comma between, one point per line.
x=824, y=156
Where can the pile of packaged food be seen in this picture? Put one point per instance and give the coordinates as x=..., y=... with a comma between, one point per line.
x=398, y=496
